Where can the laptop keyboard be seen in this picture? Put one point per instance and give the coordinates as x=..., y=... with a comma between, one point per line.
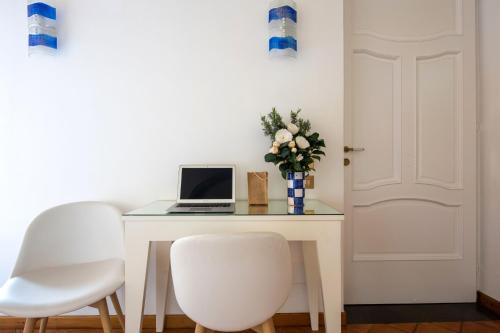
x=203, y=205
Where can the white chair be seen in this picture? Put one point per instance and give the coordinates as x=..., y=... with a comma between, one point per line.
x=72, y=256
x=231, y=282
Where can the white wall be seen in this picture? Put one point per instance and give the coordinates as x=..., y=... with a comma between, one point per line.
x=139, y=87
x=489, y=100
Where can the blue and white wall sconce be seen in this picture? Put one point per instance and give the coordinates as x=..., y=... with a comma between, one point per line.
x=42, y=36
x=283, y=28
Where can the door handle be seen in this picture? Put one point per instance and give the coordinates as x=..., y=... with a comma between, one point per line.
x=348, y=149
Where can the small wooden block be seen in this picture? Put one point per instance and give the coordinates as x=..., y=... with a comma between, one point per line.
x=309, y=184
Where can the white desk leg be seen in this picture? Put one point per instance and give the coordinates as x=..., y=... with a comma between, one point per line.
x=136, y=267
x=329, y=255
x=162, y=271
x=313, y=281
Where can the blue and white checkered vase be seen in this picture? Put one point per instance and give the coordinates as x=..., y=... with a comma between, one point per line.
x=296, y=190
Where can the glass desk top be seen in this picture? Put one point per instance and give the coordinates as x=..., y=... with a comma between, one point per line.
x=275, y=207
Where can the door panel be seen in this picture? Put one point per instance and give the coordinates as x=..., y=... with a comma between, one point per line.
x=394, y=230
x=439, y=116
x=377, y=85
x=407, y=20
x=410, y=232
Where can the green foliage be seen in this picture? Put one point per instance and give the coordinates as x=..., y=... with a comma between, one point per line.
x=270, y=157
x=272, y=123
x=288, y=156
x=304, y=125
x=294, y=116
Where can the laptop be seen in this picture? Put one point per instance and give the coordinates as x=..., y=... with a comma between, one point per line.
x=205, y=189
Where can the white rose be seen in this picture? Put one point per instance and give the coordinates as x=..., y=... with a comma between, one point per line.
x=294, y=150
x=273, y=150
x=291, y=144
x=283, y=136
x=302, y=142
x=299, y=157
x=292, y=128
x=275, y=144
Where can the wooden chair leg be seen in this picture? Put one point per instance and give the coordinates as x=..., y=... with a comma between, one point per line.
x=102, y=306
x=43, y=325
x=268, y=326
x=29, y=325
x=118, y=309
x=257, y=329
x=199, y=329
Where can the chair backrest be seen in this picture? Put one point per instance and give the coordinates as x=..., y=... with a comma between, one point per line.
x=70, y=234
x=231, y=282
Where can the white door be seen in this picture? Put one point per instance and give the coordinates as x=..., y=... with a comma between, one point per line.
x=410, y=233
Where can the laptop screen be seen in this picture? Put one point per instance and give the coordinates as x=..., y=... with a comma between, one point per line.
x=206, y=183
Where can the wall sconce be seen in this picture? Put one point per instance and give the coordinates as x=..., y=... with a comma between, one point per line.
x=42, y=36
x=283, y=28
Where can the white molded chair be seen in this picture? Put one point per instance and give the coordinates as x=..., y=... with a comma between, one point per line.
x=231, y=282
x=72, y=256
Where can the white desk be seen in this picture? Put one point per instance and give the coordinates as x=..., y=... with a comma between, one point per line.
x=319, y=229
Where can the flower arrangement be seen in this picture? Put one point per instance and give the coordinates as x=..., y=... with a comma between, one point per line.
x=293, y=149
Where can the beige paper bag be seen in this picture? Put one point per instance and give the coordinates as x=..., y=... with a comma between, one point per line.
x=257, y=188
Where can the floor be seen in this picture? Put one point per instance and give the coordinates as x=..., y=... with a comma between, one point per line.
x=411, y=318
x=421, y=318
x=437, y=327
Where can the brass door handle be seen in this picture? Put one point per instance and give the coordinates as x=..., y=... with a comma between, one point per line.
x=348, y=149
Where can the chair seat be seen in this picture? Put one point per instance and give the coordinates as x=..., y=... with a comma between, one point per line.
x=54, y=291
